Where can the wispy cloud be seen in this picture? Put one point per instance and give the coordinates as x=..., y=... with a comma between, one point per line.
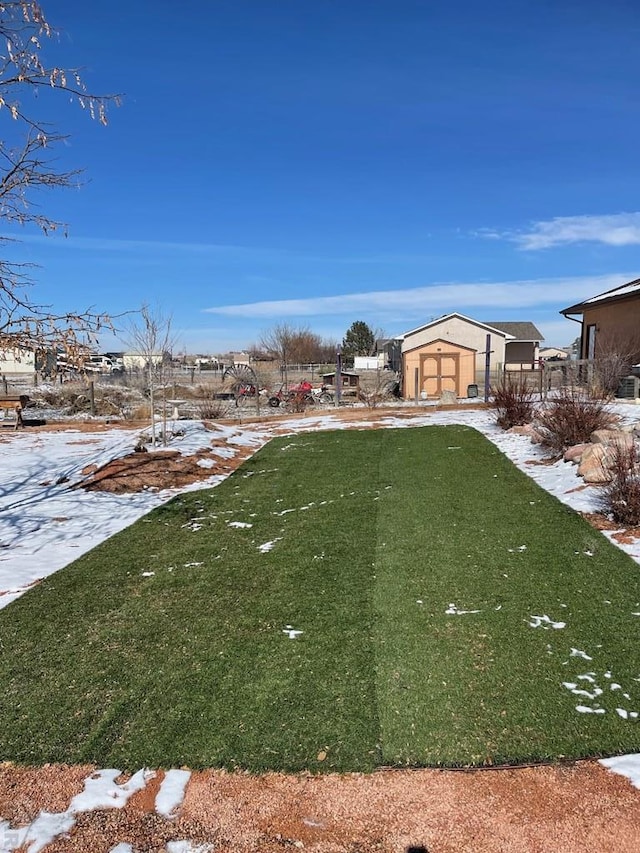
x=617, y=229
x=226, y=252
x=114, y=244
x=421, y=301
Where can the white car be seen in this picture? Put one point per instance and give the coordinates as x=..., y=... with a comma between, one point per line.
x=99, y=364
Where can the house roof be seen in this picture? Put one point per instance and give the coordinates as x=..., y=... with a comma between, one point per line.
x=631, y=288
x=438, y=320
x=520, y=331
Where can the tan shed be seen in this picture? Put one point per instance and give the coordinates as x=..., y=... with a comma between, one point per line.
x=439, y=366
x=448, y=354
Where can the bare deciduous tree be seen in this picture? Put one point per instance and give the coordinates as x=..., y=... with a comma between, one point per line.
x=27, y=168
x=149, y=338
x=289, y=345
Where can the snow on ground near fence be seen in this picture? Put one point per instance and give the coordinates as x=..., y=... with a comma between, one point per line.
x=44, y=524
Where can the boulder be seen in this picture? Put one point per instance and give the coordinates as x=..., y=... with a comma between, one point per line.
x=594, y=463
x=574, y=454
x=522, y=429
x=612, y=437
x=448, y=398
x=536, y=437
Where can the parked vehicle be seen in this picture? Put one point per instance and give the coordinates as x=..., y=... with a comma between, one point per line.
x=100, y=364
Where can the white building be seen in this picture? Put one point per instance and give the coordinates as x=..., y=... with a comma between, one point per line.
x=138, y=361
x=17, y=361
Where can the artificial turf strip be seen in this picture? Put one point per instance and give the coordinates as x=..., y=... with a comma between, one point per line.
x=473, y=531
x=191, y=665
x=375, y=534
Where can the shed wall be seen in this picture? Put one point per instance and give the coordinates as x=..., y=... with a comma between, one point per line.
x=441, y=366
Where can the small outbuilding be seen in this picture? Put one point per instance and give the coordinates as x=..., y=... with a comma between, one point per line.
x=349, y=381
x=446, y=354
x=18, y=361
x=522, y=347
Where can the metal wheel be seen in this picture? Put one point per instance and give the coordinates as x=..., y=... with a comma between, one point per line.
x=237, y=379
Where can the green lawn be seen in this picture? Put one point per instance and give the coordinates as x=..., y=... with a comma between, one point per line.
x=375, y=536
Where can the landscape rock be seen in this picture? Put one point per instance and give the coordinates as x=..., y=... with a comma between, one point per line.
x=522, y=429
x=595, y=462
x=537, y=437
x=612, y=437
x=574, y=454
x=448, y=398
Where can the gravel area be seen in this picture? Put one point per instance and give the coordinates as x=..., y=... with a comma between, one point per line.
x=569, y=808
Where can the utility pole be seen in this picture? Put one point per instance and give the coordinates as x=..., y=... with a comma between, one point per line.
x=487, y=368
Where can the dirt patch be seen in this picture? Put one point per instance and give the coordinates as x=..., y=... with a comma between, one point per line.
x=569, y=808
x=626, y=535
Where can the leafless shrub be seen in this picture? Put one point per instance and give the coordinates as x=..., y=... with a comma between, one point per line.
x=571, y=417
x=212, y=409
x=69, y=399
x=514, y=402
x=378, y=392
x=141, y=412
x=620, y=497
x=615, y=354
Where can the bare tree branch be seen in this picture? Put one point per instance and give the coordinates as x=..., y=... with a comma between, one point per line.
x=27, y=167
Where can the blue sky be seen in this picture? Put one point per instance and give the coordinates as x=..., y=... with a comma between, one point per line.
x=317, y=162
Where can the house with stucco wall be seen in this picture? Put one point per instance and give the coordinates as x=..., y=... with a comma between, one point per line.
x=522, y=348
x=609, y=322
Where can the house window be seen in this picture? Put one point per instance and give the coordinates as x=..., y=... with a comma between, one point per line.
x=591, y=341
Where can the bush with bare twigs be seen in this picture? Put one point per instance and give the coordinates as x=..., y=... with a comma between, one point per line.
x=570, y=418
x=620, y=497
x=514, y=402
x=381, y=390
x=210, y=408
x=616, y=352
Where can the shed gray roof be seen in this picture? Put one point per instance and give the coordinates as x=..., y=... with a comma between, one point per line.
x=520, y=331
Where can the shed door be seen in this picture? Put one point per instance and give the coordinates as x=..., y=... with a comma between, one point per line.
x=440, y=372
